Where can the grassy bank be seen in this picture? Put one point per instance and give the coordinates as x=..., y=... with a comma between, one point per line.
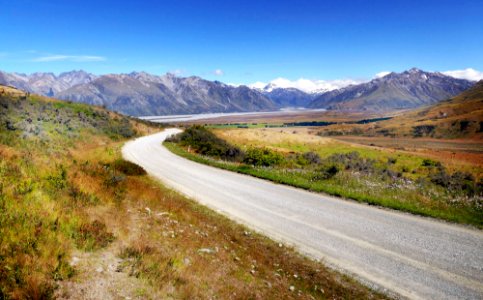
x=67, y=198
x=400, y=182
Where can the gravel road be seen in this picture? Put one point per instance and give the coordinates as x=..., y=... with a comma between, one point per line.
x=410, y=256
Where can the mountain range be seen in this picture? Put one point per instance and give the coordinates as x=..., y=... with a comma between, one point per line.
x=145, y=94
x=409, y=89
x=140, y=93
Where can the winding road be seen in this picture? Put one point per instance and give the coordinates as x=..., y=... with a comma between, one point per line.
x=410, y=256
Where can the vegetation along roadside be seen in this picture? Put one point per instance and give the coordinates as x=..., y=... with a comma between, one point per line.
x=395, y=180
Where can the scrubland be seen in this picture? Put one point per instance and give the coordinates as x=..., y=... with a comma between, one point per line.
x=401, y=180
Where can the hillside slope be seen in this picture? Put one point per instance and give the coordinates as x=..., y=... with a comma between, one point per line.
x=409, y=89
x=459, y=116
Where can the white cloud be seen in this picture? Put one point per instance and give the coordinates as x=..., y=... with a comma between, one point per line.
x=469, y=74
x=74, y=58
x=177, y=72
x=258, y=85
x=382, y=74
x=218, y=72
x=307, y=85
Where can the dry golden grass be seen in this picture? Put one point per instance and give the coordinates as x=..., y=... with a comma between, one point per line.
x=11, y=91
x=282, y=139
x=451, y=152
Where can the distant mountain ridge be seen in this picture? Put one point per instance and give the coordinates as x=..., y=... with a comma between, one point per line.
x=141, y=93
x=47, y=84
x=409, y=89
x=289, y=97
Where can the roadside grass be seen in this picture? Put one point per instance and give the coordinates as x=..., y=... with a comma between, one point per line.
x=57, y=198
x=386, y=178
x=189, y=251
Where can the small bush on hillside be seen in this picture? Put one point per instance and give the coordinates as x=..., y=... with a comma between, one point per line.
x=127, y=168
x=113, y=180
x=94, y=235
x=262, y=157
x=423, y=130
x=58, y=181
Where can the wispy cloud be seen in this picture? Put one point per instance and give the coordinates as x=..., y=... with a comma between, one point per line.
x=218, y=72
x=469, y=74
x=73, y=58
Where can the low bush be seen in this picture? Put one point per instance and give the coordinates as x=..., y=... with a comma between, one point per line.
x=458, y=182
x=262, y=157
x=204, y=142
x=326, y=172
x=354, y=162
x=308, y=158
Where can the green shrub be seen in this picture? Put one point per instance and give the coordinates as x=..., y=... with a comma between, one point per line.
x=58, y=181
x=430, y=163
x=262, y=157
x=204, y=142
x=326, y=172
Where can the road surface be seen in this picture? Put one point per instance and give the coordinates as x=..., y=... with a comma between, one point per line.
x=410, y=256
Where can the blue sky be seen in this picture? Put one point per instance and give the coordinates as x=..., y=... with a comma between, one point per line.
x=241, y=41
